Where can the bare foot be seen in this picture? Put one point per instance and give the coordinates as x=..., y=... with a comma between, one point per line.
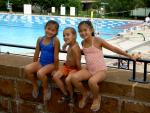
x=83, y=101
x=46, y=94
x=96, y=104
x=35, y=92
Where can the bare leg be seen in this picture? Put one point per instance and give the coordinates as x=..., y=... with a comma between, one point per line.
x=77, y=79
x=69, y=84
x=93, y=84
x=30, y=70
x=42, y=75
x=57, y=78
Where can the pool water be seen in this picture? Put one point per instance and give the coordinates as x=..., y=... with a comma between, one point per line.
x=25, y=29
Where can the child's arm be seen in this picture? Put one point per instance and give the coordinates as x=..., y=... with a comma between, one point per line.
x=37, y=51
x=64, y=46
x=115, y=49
x=56, y=52
x=82, y=46
x=77, y=56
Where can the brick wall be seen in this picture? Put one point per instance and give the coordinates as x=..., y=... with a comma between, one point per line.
x=118, y=94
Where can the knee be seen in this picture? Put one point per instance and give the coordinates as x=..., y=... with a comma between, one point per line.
x=55, y=77
x=74, y=79
x=41, y=76
x=92, y=82
x=28, y=72
x=27, y=69
x=68, y=80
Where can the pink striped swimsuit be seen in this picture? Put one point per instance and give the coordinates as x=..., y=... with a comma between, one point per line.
x=94, y=59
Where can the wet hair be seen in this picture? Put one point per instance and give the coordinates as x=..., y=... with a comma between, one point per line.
x=73, y=31
x=89, y=23
x=53, y=22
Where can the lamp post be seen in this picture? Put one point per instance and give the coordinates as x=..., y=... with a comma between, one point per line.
x=103, y=8
x=9, y=6
x=86, y=8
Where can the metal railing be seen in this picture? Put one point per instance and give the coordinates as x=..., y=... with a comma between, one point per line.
x=120, y=59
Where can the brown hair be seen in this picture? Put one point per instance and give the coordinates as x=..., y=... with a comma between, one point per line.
x=53, y=22
x=89, y=23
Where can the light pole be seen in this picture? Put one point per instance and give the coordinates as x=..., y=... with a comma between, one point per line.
x=103, y=8
x=9, y=6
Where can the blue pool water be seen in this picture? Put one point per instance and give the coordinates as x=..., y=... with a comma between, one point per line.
x=25, y=29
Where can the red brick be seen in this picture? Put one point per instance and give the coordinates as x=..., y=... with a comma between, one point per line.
x=4, y=104
x=9, y=71
x=7, y=87
x=54, y=106
x=142, y=93
x=23, y=108
x=25, y=91
x=109, y=105
x=135, y=107
x=115, y=89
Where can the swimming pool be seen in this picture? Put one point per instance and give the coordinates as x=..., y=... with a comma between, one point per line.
x=25, y=29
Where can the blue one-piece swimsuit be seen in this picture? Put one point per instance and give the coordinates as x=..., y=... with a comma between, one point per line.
x=47, y=52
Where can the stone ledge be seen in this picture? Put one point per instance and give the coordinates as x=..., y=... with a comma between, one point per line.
x=118, y=94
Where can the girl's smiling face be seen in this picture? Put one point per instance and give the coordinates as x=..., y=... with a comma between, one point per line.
x=50, y=30
x=68, y=36
x=85, y=31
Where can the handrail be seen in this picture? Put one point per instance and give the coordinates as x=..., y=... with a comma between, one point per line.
x=142, y=36
x=133, y=78
x=18, y=46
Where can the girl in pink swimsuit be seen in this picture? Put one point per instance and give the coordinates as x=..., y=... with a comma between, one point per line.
x=95, y=70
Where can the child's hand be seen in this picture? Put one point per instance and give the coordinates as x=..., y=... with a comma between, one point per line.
x=133, y=57
x=64, y=47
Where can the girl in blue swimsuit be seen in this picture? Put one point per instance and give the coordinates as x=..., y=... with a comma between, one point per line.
x=48, y=48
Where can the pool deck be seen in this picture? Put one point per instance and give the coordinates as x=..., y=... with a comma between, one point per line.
x=132, y=42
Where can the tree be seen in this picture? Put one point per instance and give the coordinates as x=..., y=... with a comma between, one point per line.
x=113, y=5
x=3, y=5
x=124, y=5
x=47, y=4
x=147, y=3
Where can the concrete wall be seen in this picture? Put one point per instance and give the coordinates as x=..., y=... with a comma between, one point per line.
x=118, y=94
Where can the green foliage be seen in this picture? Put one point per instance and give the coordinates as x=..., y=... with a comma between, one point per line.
x=124, y=5
x=47, y=4
x=147, y=3
x=97, y=4
x=113, y=5
x=55, y=3
x=2, y=5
